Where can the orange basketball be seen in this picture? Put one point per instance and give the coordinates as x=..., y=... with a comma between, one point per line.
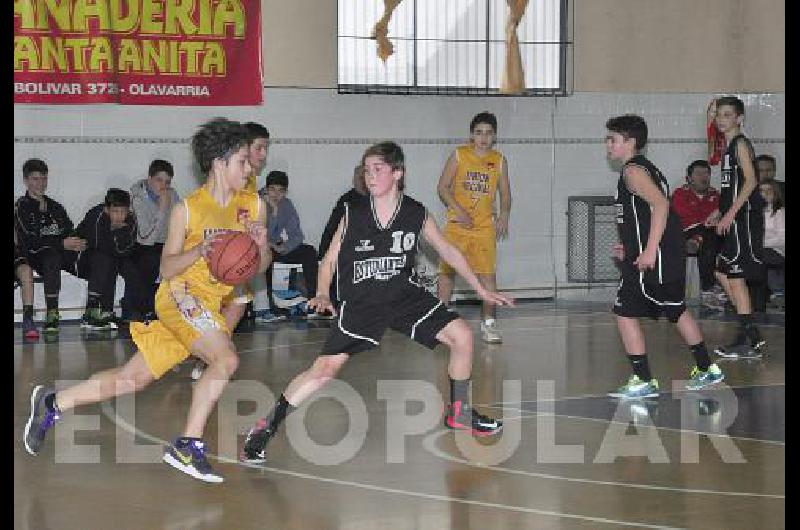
x=233, y=258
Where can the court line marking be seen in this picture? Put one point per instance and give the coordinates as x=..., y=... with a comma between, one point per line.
x=429, y=443
x=111, y=414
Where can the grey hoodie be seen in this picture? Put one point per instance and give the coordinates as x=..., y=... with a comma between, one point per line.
x=151, y=221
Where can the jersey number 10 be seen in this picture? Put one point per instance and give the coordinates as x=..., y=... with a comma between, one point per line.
x=407, y=241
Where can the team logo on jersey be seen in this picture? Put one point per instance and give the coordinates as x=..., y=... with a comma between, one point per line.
x=379, y=268
x=490, y=165
x=735, y=269
x=364, y=246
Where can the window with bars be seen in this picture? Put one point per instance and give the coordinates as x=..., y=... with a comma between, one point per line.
x=451, y=47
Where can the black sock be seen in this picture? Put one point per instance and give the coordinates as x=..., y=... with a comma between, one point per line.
x=51, y=302
x=279, y=412
x=93, y=301
x=701, y=357
x=745, y=321
x=459, y=391
x=27, y=312
x=640, y=366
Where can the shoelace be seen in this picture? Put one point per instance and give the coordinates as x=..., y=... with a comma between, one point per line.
x=198, y=450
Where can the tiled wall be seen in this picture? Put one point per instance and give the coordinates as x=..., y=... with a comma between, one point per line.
x=554, y=148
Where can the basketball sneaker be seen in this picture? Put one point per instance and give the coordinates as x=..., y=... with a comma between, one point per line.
x=42, y=418
x=94, y=319
x=189, y=455
x=266, y=316
x=490, y=333
x=51, y=321
x=29, y=330
x=747, y=345
x=636, y=388
x=701, y=379
x=461, y=416
x=255, y=445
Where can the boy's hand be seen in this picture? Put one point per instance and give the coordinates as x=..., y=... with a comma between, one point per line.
x=712, y=219
x=496, y=298
x=165, y=198
x=618, y=251
x=724, y=224
x=75, y=244
x=646, y=260
x=463, y=218
x=257, y=232
x=322, y=304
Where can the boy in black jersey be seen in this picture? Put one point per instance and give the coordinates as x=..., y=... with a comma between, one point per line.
x=652, y=258
x=373, y=253
x=742, y=223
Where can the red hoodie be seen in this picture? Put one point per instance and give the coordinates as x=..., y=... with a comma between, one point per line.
x=691, y=208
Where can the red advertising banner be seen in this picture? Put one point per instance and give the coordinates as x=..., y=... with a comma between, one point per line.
x=138, y=52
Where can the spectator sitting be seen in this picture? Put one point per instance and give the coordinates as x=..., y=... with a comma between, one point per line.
x=697, y=206
x=151, y=200
x=357, y=192
x=45, y=236
x=774, y=237
x=284, y=221
x=110, y=231
x=766, y=169
x=23, y=275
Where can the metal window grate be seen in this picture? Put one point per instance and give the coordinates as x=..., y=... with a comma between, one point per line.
x=591, y=232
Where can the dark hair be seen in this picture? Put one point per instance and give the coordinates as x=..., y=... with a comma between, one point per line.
x=33, y=165
x=392, y=154
x=483, y=117
x=218, y=138
x=278, y=177
x=768, y=158
x=256, y=130
x=778, y=203
x=117, y=197
x=630, y=126
x=157, y=166
x=733, y=101
x=359, y=179
x=695, y=164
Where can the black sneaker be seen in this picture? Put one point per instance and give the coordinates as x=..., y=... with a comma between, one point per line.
x=747, y=345
x=189, y=456
x=255, y=445
x=461, y=416
x=40, y=420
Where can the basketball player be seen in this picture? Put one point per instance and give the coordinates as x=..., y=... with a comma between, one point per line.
x=742, y=224
x=374, y=252
x=652, y=257
x=470, y=180
x=187, y=303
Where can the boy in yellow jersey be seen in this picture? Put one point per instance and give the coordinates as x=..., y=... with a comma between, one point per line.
x=471, y=178
x=189, y=303
x=235, y=306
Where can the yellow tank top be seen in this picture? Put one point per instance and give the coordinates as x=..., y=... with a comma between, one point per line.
x=251, y=183
x=206, y=217
x=475, y=184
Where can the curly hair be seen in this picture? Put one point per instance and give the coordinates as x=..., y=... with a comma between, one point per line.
x=218, y=138
x=392, y=154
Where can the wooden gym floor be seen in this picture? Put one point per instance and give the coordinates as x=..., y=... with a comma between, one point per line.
x=581, y=460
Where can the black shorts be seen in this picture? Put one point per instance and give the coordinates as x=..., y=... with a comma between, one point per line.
x=638, y=299
x=742, y=249
x=360, y=327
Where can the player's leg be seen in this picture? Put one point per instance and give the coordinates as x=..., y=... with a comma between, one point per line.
x=490, y=331
x=47, y=263
x=705, y=373
x=481, y=254
x=233, y=309
x=24, y=274
x=47, y=404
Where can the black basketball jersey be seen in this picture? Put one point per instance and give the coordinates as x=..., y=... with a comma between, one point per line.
x=376, y=263
x=732, y=180
x=633, y=223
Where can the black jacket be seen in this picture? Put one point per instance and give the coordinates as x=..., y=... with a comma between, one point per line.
x=36, y=229
x=96, y=230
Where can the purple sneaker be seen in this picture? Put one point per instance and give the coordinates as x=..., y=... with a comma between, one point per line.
x=41, y=419
x=189, y=455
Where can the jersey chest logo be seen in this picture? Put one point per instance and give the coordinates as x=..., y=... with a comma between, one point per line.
x=383, y=268
x=365, y=246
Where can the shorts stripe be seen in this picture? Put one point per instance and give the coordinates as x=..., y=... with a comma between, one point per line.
x=350, y=334
x=418, y=322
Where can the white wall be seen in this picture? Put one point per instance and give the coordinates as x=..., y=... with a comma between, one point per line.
x=554, y=147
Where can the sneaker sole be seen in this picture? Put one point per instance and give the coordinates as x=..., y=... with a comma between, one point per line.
x=245, y=460
x=191, y=471
x=625, y=396
x=706, y=385
x=492, y=341
x=474, y=432
x=34, y=400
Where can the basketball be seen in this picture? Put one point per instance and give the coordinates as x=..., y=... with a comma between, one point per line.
x=233, y=258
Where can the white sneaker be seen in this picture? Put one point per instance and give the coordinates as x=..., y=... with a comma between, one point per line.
x=490, y=332
x=197, y=371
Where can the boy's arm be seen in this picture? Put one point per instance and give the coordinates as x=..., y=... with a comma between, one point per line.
x=640, y=183
x=456, y=259
x=504, y=187
x=173, y=259
x=259, y=232
x=445, y=189
x=750, y=183
x=321, y=301
x=294, y=232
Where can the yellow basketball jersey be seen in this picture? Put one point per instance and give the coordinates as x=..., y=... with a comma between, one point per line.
x=206, y=217
x=251, y=183
x=475, y=184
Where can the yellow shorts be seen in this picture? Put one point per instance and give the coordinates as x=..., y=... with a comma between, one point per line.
x=182, y=318
x=241, y=294
x=478, y=246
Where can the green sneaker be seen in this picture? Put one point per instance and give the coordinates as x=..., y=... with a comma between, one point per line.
x=699, y=379
x=51, y=321
x=94, y=319
x=635, y=388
